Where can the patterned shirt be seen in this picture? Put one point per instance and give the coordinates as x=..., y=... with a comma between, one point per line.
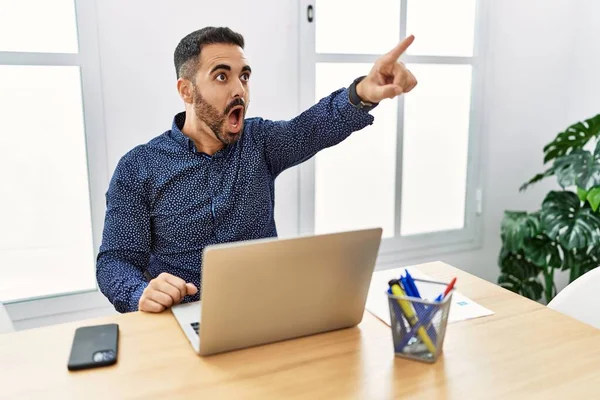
x=166, y=201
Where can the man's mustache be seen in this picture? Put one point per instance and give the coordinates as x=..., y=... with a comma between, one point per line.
x=238, y=101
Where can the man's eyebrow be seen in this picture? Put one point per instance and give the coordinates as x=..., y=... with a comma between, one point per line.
x=246, y=68
x=220, y=66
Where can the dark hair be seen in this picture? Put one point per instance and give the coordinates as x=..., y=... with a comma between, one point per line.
x=187, y=53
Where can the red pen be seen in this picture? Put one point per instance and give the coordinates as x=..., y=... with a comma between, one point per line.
x=448, y=289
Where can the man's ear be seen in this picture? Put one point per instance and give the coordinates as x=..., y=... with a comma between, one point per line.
x=185, y=89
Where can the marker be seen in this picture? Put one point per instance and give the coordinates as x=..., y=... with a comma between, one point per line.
x=448, y=289
x=410, y=314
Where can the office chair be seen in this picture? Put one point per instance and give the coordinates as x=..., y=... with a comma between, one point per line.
x=580, y=299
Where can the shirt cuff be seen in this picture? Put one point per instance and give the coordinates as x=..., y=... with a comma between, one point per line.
x=347, y=110
x=134, y=298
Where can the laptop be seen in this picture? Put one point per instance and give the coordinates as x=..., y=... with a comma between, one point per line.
x=269, y=290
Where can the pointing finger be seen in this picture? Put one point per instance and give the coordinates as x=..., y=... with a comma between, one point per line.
x=397, y=51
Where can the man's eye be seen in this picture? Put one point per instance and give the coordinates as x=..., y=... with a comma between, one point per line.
x=221, y=77
x=245, y=77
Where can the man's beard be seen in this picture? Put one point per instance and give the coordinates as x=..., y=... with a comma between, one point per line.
x=216, y=120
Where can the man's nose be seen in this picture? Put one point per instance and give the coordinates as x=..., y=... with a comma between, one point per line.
x=239, y=90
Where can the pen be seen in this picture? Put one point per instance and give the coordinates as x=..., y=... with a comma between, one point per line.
x=448, y=289
x=410, y=287
x=406, y=286
x=412, y=284
x=410, y=314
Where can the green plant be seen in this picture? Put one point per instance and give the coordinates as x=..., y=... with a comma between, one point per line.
x=565, y=233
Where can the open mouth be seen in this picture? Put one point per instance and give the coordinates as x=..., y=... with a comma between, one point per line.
x=234, y=118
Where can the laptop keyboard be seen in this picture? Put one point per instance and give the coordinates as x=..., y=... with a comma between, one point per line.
x=196, y=326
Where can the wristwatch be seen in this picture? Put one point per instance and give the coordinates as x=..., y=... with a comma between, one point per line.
x=355, y=100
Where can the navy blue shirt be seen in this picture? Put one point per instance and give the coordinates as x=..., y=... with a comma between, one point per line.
x=166, y=201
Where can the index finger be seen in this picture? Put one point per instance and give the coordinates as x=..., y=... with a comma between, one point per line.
x=397, y=51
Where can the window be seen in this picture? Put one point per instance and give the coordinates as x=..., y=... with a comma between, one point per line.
x=414, y=171
x=51, y=115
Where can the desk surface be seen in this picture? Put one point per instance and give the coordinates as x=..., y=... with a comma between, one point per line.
x=523, y=351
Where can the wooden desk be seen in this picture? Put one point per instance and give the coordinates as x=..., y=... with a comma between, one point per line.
x=524, y=351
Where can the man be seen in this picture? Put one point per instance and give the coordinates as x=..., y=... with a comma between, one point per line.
x=210, y=179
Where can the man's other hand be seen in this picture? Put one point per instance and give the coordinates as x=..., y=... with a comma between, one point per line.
x=388, y=78
x=163, y=292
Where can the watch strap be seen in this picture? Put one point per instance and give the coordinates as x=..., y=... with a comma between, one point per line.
x=355, y=100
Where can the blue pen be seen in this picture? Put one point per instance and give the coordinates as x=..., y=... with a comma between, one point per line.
x=411, y=289
x=411, y=282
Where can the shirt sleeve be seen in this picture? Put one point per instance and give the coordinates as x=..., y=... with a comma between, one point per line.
x=125, y=250
x=327, y=123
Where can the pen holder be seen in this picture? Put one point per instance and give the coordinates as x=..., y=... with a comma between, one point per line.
x=419, y=325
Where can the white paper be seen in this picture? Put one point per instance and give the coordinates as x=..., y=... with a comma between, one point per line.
x=461, y=307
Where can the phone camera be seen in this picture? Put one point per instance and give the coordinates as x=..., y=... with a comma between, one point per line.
x=106, y=355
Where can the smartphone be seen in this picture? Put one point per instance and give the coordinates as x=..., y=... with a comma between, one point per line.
x=94, y=346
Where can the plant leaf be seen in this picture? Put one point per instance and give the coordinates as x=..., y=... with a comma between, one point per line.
x=582, y=194
x=541, y=251
x=597, y=150
x=517, y=226
x=519, y=275
x=593, y=197
x=568, y=260
x=573, y=138
x=537, y=178
x=580, y=262
x=579, y=168
x=565, y=221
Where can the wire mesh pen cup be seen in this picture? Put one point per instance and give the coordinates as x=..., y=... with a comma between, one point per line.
x=419, y=325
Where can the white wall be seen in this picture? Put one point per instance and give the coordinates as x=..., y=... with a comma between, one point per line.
x=584, y=99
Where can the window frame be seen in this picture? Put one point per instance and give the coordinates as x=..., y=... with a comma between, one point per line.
x=88, y=60
x=419, y=246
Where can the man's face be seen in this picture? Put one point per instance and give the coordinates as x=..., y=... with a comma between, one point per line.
x=220, y=90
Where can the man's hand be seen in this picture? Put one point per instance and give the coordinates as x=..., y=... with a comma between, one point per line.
x=388, y=78
x=164, y=291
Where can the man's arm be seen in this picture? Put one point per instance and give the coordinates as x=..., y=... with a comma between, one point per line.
x=126, y=243
x=125, y=249
x=327, y=123
x=334, y=118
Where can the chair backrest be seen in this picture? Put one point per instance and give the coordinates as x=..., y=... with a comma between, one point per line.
x=6, y=324
x=580, y=299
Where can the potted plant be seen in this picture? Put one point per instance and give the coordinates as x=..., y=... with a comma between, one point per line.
x=565, y=233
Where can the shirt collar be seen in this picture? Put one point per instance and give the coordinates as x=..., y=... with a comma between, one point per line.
x=178, y=136
x=186, y=142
